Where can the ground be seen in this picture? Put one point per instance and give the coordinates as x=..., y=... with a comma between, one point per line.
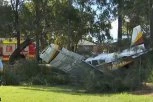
x=65, y=94
x=146, y=89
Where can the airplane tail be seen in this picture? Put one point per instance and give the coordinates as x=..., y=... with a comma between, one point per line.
x=137, y=36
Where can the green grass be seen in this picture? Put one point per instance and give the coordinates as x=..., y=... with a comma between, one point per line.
x=63, y=94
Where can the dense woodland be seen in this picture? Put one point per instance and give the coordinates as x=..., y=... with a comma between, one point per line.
x=65, y=22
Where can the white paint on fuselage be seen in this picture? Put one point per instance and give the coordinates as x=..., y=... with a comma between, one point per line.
x=111, y=57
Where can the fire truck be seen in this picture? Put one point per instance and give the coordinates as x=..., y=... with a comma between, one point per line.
x=9, y=45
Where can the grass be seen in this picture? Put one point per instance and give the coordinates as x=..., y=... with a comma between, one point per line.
x=63, y=94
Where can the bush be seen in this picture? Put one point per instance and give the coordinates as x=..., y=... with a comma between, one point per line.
x=38, y=80
x=116, y=81
x=29, y=72
x=124, y=78
x=10, y=77
x=55, y=76
x=27, y=69
x=148, y=68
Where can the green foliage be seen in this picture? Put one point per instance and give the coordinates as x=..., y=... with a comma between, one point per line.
x=116, y=81
x=26, y=69
x=38, y=80
x=53, y=76
x=150, y=77
x=124, y=79
x=22, y=71
x=148, y=68
x=54, y=15
x=6, y=20
x=9, y=76
x=93, y=81
x=29, y=72
x=61, y=40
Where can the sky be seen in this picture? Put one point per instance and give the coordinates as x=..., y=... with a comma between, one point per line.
x=114, y=24
x=114, y=29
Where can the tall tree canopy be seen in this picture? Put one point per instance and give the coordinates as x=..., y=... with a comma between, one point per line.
x=54, y=20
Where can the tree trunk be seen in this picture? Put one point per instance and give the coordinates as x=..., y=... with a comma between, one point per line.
x=43, y=40
x=119, y=29
x=37, y=46
x=69, y=29
x=38, y=30
x=75, y=47
x=151, y=21
x=69, y=36
x=99, y=38
x=17, y=24
x=119, y=23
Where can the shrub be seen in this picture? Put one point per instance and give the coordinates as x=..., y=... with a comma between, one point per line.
x=148, y=68
x=55, y=76
x=10, y=77
x=29, y=72
x=27, y=69
x=38, y=80
x=116, y=80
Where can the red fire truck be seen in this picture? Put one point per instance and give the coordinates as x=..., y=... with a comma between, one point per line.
x=8, y=46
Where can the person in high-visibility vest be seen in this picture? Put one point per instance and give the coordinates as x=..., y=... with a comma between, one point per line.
x=1, y=71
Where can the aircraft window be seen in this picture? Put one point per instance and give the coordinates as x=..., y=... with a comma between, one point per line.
x=94, y=62
x=89, y=62
x=101, y=61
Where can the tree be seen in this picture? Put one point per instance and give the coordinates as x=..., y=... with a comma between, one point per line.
x=151, y=20
x=120, y=3
x=16, y=4
x=102, y=21
x=38, y=12
x=6, y=21
x=140, y=13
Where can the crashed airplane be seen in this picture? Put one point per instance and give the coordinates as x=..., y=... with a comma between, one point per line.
x=76, y=65
x=68, y=62
x=119, y=59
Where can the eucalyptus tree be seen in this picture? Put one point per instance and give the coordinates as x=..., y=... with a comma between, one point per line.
x=37, y=18
x=38, y=10
x=27, y=17
x=115, y=9
x=151, y=20
x=6, y=23
x=120, y=17
x=140, y=12
x=40, y=17
x=137, y=11
x=83, y=21
x=102, y=21
x=16, y=4
x=71, y=20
